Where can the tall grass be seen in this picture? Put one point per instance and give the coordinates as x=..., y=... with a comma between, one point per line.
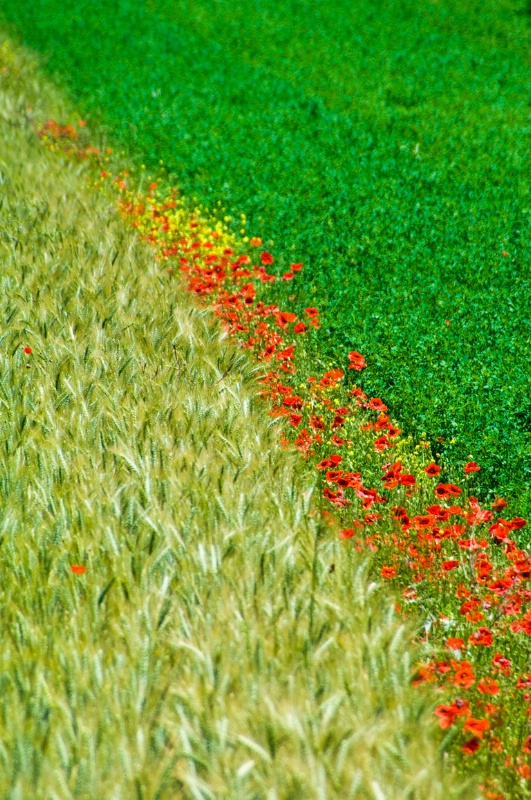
x=220, y=642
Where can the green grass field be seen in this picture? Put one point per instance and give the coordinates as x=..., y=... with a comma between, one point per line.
x=385, y=144
x=208, y=650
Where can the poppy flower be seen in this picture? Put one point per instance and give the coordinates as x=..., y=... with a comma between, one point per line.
x=471, y=746
x=526, y=747
x=481, y=638
x=357, y=361
x=449, y=565
x=488, y=686
x=464, y=676
x=399, y=512
x=499, y=504
x=455, y=643
x=388, y=572
x=477, y=726
x=311, y=312
x=471, y=467
x=295, y=267
x=255, y=241
x=446, y=715
x=78, y=569
x=432, y=470
x=347, y=533
x=28, y=350
x=300, y=327
x=288, y=276
x=283, y=317
x=286, y=353
x=499, y=532
x=375, y=404
x=524, y=770
x=452, y=489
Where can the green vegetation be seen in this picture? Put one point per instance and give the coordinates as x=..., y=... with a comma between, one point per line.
x=385, y=144
x=208, y=650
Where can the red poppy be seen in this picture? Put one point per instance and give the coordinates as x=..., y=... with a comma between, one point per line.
x=287, y=353
x=399, y=512
x=78, y=569
x=481, y=638
x=452, y=489
x=524, y=770
x=28, y=350
x=455, y=644
x=388, y=572
x=488, y=686
x=449, y=565
x=376, y=404
x=422, y=522
x=432, y=470
x=471, y=467
x=255, y=241
x=347, y=533
x=295, y=267
x=332, y=475
x=357, y=361
x=472, y=543
x=446, y=715
x=502, y=663
x=283, y=317
x=471, y=746
x=447, y=490
x=464, y=676
x=526, y=747
x=499, y=531
x=311, y=312
x=477, y=726
x=499, y=503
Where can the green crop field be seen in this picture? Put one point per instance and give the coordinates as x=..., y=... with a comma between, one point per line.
x=384, y=144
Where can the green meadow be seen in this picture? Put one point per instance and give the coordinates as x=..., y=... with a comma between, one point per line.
x=385, y=144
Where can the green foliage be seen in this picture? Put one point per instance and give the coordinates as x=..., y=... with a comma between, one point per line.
x=210, y=649
x=384, y=144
